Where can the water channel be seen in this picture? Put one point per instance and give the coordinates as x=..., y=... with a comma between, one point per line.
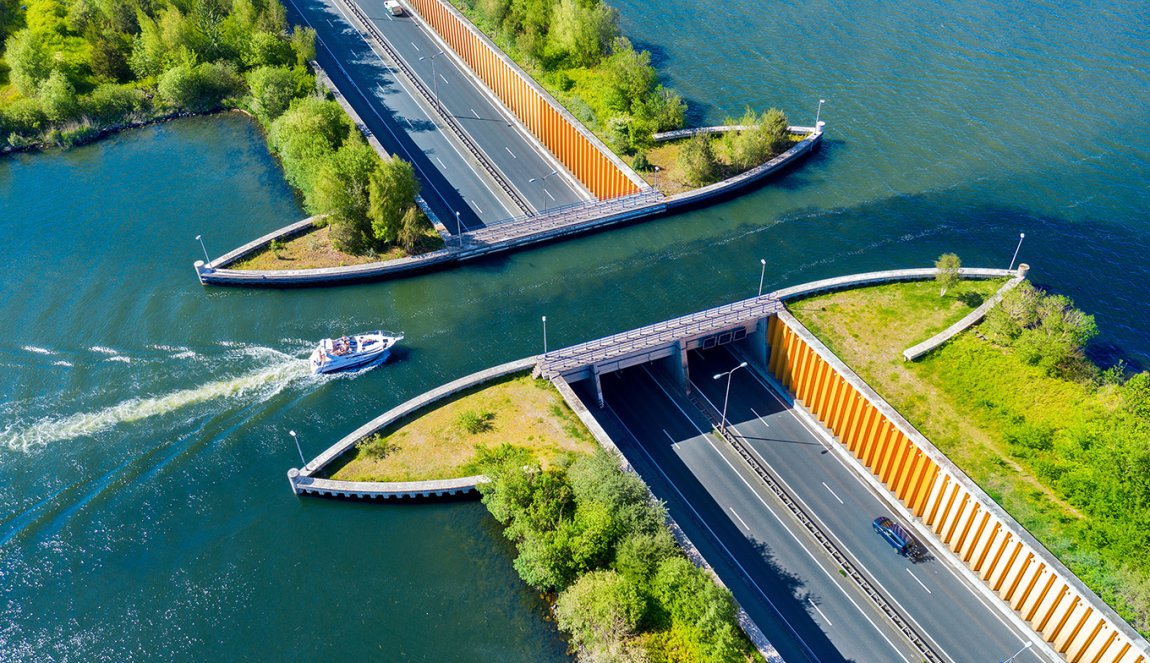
x=143, y=419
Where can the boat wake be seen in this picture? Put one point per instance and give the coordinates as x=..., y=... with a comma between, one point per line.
x=258, y=385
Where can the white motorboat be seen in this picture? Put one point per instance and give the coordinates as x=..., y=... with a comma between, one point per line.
x=351, y=352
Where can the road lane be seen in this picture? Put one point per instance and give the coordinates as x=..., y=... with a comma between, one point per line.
x=505, y=143
x=790, y=588
x=935, y=597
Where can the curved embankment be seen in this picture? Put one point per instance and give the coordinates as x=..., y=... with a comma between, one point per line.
x=304, y=481
x=537, y=229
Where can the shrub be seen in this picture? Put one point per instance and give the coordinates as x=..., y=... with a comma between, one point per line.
x=696, y=161
x=601, y=611
x=199, y=88
x=273, y=89
x=391, y=192
x=474, y=422
x=111, y=104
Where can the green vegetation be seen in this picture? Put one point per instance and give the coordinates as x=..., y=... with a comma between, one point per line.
x=78, y=68
x=573, y=48
x=1061, y=445
x=591, y=534
x=948, y=266
x=704, y=159
x=443, y=443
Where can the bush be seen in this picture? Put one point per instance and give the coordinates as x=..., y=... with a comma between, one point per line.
x=272, y=89
x=696, y=161
x=199, y=88
x=601, y=611
x=111, y=104
x=474, y=422
x=391, y=193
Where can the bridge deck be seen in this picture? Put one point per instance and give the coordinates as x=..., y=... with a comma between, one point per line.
x=656, y=335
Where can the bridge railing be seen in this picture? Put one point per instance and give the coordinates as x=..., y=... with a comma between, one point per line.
x=559, y=217
x=629, y=342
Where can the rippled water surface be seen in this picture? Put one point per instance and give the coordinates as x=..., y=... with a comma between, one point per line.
x=144, y=506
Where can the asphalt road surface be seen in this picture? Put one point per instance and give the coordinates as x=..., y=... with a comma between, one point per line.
x=409, y=127
x=786, y=582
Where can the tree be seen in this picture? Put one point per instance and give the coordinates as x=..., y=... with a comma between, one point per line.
x=273, y=89
x=696, y=161
x=340, y=190
x=303, y=45
x=28, y=61
x=948, y=266
x=630, y=76
x=601, y=611
x=392, y=191
x=582, y=32
x=265, y=48
x=410, y=229
x=58, y=97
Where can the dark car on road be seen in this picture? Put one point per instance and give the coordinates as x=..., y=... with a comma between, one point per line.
x=899, y=538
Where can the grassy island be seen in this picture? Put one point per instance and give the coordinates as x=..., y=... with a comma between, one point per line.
x=446, y=442
x=1063, y=446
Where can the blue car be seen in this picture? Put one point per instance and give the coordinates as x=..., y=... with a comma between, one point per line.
x=899, y=538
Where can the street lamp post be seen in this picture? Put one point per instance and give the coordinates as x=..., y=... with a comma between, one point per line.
x=200, y=239
x=727, y=396
x=817, y=113
x=459, y=229
x=298, y=448
x=434, y=79
x=1021, y=236
x=544, y=337
x=762, y=275
x=1024, y=648
x=543, y=179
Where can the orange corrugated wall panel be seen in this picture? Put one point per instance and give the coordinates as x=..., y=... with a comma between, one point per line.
x=593, y=168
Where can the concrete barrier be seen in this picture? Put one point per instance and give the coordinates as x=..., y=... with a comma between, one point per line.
x=914, y=352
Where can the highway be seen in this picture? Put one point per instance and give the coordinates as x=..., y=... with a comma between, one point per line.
x=787, y=583
x=408, y=126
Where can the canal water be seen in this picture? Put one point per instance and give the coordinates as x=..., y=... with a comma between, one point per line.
x=144, y=507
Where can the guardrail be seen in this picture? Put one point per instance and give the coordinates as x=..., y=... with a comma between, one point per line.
x=448, y=120
x=560, y=217
x=663, y=136
x=627, y=343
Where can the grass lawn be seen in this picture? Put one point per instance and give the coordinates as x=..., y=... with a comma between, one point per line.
x=314, y=249
x=968, y=398
x=437, y=444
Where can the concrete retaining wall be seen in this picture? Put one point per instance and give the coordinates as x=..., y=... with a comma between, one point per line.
x=914, y=352
x=939, y=498
x=304, y=480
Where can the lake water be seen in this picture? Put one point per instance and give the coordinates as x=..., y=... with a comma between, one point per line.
x=144, y=507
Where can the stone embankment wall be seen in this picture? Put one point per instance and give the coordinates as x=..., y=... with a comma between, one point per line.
x=577, y=148
x=939, y=496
